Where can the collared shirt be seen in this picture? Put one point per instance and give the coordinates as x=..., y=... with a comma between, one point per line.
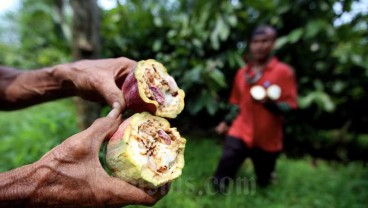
x=255, y=124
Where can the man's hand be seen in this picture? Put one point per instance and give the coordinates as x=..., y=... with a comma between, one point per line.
x=96, y=80
x=222, y=128
x=99, y=80
x=70, y=175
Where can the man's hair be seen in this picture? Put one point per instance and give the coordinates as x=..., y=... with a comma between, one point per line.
x=263, y=30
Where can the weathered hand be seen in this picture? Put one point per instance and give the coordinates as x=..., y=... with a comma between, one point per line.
x=95, y=80
x=71, y=175
x=99, y=80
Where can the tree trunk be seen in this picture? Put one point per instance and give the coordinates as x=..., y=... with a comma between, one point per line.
x=86, y=45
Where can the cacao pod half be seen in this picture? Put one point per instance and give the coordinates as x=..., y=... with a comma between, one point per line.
x=145, y=151
x=150, y=88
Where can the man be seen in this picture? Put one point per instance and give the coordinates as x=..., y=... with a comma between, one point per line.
x=70, y=175
x=255, y=122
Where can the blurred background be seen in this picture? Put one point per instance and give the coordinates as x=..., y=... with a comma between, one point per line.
x=202, y=44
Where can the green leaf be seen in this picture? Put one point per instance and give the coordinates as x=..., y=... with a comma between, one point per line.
x=197, y=43
x=295, y=35
x=318, y=84
x=224, y=29
x=218, y=77
x=157, y=45
x=338, y=86
x=357, y=59
x=157, y=21
x=232, y=20
x=322, y=99
x=200, y=102
x=325, y=101
x=220, y=32
x=211, y=107
x=207, y=100
x=313, y=28
x=191, y=77
x=171, y=34
x=280, y=42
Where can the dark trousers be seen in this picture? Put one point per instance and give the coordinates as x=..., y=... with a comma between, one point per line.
x=234, y=153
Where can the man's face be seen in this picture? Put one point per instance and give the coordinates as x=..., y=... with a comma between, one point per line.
x=261, y=46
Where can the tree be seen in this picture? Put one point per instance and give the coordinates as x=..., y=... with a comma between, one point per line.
x=202, y=44
x=86, y=45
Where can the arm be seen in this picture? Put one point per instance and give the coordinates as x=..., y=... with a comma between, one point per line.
x=277, y=107
x=70, y=175
x=95, y=80
x=223, y=126
x=233, y=112
x=19, y=89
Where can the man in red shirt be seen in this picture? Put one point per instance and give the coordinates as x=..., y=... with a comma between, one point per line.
x=262, y=91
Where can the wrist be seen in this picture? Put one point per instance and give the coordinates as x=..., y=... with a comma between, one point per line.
x=63, y=74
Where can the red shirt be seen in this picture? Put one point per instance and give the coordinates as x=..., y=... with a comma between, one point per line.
x=255, y=124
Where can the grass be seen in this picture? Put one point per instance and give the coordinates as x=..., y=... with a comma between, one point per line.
x=27, y=134
x=299, y=183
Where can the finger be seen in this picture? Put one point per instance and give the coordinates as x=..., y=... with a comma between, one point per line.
x=126, y=64
x=123, y=68
x=111, y=93
x=116, y=110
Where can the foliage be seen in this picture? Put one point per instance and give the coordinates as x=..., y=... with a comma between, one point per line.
x=40, y=38
x=324, y=55
x=186, y=36
x=202, y=43
x=28, y=134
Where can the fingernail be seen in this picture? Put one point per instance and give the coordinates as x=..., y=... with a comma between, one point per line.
x=114, y=113
x=116, y=105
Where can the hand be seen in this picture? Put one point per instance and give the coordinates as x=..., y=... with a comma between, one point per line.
x=222, y=128
x=277, y=108
x=99, y=80
x=94, y=80
x=71, y=173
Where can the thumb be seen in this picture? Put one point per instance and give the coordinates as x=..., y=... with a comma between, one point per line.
x=102, y=128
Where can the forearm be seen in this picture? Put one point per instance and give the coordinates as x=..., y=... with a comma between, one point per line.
x=233, y=112
x=18, y=186
x=19, y=89
x=94, y=80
